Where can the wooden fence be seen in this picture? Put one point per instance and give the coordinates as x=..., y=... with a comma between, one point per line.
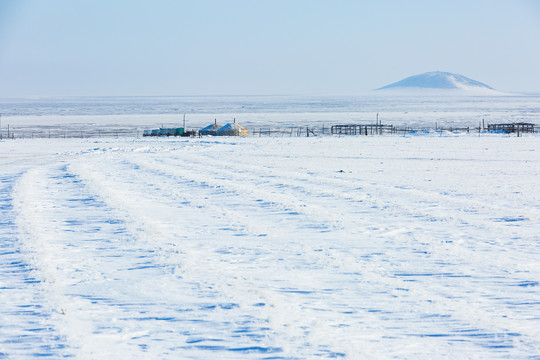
x=297, y=131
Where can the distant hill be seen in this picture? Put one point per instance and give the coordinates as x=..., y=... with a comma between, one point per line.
x=440, y=82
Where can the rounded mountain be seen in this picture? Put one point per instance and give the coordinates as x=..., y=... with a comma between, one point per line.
x=439, y=80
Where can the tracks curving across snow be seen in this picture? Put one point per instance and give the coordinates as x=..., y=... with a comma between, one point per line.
x=312, y=248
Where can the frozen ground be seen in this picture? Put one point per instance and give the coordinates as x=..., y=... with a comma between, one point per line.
x=254, y=112
x=270, y=248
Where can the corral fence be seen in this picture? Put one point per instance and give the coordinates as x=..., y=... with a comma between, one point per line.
x=294, y=131
x=380, y=129
x=356, y=130
x=23, y=133
x=512, y=128
x=297, y=131
x=346, y=129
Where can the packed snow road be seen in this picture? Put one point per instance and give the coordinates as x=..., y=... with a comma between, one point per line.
x=270, y=248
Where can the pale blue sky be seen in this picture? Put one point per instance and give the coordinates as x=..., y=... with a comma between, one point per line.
x=208, y=47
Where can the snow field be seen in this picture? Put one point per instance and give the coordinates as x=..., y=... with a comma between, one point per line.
x=73, y=115
x=294, y=248
x=25, y=329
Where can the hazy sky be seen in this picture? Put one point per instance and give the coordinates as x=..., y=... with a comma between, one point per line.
x=208, y=47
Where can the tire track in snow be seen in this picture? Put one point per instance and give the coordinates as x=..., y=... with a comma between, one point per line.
x=442, y=297
x=470, y=254
x=61, y=242
x=385, y=201
x=463, y=209
x=231, y=281
x=230, y=174
x=238, y=326
x=108, y=288
x=280, y=296
x=27, y=328
x=231, y=182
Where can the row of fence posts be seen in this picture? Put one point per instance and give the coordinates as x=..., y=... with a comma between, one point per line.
x=290, y=132
x=279, y=132
x=65, y=134
x=10, y=135
x=373, y=129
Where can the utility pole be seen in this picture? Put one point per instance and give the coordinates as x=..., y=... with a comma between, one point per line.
x=184, y=123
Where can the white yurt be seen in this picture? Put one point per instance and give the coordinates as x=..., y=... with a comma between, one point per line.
x=210, y=129
x=232, y=129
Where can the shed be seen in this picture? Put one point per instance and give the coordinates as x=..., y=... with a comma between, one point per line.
x=168, y=132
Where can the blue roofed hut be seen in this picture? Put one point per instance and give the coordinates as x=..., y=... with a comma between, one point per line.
x=210, y=129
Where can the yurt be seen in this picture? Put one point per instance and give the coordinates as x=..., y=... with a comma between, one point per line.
x=210, y=129
x=232, y=129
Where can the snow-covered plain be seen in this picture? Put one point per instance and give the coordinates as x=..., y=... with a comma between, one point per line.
x=270, y=248
x=254, y=112
x=410, y=246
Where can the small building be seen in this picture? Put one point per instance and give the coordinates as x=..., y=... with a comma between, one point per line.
x=210, y=129
x=164, y=132
x=232, y=129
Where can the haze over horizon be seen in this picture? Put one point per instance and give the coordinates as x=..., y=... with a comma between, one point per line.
x=240, y=47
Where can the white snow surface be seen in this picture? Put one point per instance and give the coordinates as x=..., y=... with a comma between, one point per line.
x=270, y=248
x=255, y=112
